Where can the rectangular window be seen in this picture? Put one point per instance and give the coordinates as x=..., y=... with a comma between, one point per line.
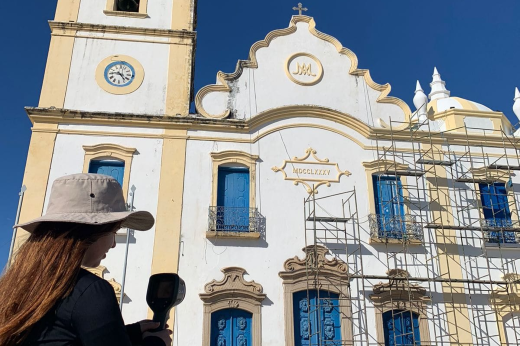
x=389, y=203
x=127, y=5
x=231, y=327
x=233, y=199
x=112, y=168
x=316, y=318
x=401, y=328
x=495, y=208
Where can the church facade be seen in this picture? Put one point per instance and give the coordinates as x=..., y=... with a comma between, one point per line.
x=302, y=204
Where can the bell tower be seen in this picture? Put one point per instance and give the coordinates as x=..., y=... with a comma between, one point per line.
x=107, y=59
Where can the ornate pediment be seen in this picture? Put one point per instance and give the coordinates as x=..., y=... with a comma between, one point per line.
x=232, y=286
x=315, y=260
x=295, y=66
x=398, y=287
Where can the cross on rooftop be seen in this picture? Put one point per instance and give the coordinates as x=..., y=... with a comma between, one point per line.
x=300, y=8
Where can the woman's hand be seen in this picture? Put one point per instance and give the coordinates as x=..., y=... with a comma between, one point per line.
x=148, y=325
x=164, y=335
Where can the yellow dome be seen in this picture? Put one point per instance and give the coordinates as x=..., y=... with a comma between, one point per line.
x=443, y=104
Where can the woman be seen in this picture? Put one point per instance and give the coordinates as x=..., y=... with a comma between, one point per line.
x=46, y=297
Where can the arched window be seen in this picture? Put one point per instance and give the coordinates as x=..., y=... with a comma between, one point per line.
x=231, y=327
x=317, y=312
x=316, y=318
x=113, y=168
x=401, y=328
x=232, y=310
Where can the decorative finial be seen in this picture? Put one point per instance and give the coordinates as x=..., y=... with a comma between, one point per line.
x=300, y=8
x=516, y=105
x=438, y=86
x=420, y=100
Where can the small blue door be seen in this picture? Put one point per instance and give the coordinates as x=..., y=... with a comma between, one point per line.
x=231, y=327
x=233, y=199
x=401, y=328
x=389, y=201
x=316, y=318
x=496, y=211
x=114, y=169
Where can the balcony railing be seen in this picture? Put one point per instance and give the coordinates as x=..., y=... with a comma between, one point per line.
x=397, y=227
x=501, y=231
x=231, y=219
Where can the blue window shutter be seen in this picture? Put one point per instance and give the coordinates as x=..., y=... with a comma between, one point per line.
x=231, y=327
x=389, y=201
x=401, y=328
x=115, y=169
x=495, y=207
x=313, y=326
x=233, y=198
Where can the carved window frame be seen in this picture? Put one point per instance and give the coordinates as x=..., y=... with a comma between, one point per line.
x=233, y=292
x=99, y=271
x=296, y=278
x=108, y=151
x=506, y=302
x=111, y=10
x=399, y=294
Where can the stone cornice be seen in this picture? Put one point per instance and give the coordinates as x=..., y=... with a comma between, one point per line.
x=196, y=122
x=65, y=27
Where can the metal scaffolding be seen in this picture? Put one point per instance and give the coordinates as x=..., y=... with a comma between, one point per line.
x=447, y=254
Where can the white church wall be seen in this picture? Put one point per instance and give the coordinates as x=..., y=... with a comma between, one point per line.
x=68, y=158
x=159, y=15
x=281, y=203
x=83, y=92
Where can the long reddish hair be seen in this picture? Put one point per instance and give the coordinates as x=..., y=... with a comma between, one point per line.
x=44, y=271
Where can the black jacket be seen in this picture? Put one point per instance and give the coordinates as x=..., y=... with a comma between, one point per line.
x=89, y=316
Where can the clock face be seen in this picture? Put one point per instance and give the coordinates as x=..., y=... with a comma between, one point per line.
x=119, y=74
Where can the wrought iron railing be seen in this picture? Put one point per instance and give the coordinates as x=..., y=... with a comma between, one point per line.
x=231, y=219
x=501, y=231
x=397, y=227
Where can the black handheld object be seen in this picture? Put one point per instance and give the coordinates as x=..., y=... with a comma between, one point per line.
x=165, y=291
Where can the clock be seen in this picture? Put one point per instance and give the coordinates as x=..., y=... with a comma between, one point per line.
x=119, y=74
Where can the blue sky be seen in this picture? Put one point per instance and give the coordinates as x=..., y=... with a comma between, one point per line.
x=473, y=43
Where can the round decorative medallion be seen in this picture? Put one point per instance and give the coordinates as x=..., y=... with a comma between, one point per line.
x=119, y=74
x=304, y=69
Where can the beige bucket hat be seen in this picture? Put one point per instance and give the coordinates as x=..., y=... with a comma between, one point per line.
x=92, y=199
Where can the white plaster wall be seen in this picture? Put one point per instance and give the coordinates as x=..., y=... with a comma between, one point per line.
x=281, y=203
x=68, y=158
x=268, y=86
x=83, y=92
x=159, y=15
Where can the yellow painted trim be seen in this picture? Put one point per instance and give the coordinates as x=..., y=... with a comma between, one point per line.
x=36, y=177
x=459, y=325
x=111, y=10
x=65, y=28
x=110, y=151
x=229, y=158
x=255, y=124
x=56, y=78
x=136, y=83
x=180, y=80
x=289, y=74
x=252, y=62
x=67, y=10
x=506, y=302
x=169, y=206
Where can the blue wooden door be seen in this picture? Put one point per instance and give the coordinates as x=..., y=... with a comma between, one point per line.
x=316, y=318
x=496, y=211
x=401, y=328
x=233, y=199
x=114, y=169
x=231, y=327
x=389, y=201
